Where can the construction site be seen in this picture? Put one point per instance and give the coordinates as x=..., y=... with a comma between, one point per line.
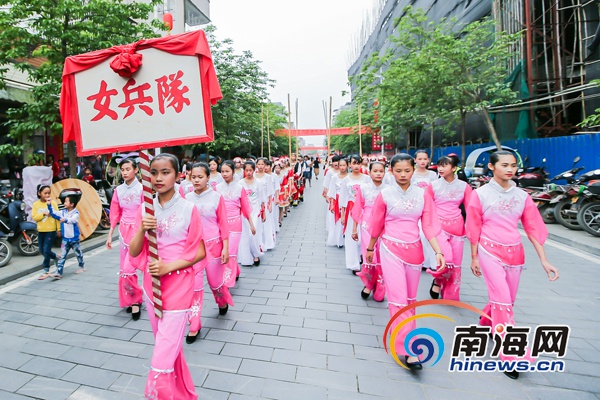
x=552, y=69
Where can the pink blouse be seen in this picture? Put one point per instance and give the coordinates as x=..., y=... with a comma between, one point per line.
x=447, y=198
x=236, y=202
x=396, y=215
x=492, y=220
x=349, y=186
x=212, y=213
x=126, y=203
x=179, y=235
x=362, y=211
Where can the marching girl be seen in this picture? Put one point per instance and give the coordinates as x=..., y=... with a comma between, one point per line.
x=180, y=246
x=327, y=174
x=264, y=180
x=250, y=244
x=422, y=178
x=124, y=207
x=348, y=188
x=215, y=232
x=396, y=213
x=272, y=216
x=362, y=211
x=215, y=176
x=238, y=172
x=186, y=185
x=237, y=206
x=283, y=200
x=496, y=249
x=335, y=236
x=448, y=194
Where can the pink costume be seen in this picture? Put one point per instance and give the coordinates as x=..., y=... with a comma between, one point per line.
x=268, y=233
x=423, y=181
x=179, y=235
x=492, y=218
x=250, y=245
x=185, y=187
x=275, y=184
x=348, y=188
x=396, y=214
x=215, y=230
x=123, y=208
x=213, y=181
x=236, y=205
x=329, y=219
x=362, y=212
x=447, y=198
x=335, y=235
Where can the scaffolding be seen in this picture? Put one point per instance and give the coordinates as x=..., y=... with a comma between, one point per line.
x=553, y=49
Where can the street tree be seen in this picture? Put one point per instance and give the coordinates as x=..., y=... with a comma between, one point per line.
x=50, y=31
x=237, y=116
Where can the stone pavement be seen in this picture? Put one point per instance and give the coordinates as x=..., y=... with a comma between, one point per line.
x=299, y=330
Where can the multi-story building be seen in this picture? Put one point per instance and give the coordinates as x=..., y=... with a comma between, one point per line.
x=557, y=58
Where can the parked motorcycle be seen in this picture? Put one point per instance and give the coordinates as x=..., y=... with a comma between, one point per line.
x=576, y=197
x=529, y=177
x=5, y=250
x=588, y=215
x=105, y=192
x=14, y=225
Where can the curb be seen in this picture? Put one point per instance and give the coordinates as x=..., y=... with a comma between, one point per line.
x=91, y=245
x=577, y=245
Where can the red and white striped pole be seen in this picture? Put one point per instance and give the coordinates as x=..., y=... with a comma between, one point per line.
x=152, y=246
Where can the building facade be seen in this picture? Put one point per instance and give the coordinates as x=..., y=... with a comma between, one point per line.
x=557, y=58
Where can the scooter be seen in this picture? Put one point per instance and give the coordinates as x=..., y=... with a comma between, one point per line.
x=532, y=177
x=14, y=225
x=588, y=214
x=5, y=250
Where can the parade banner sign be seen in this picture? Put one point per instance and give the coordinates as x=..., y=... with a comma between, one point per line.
x=152, y=93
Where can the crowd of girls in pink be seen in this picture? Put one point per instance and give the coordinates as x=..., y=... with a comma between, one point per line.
x=405, y=218
x=209, y=224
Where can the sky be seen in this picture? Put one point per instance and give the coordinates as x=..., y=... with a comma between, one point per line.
x=302, y=44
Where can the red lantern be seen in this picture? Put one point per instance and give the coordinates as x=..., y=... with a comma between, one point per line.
x=168, y=20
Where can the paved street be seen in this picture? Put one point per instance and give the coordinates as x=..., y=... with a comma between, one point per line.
x=299, y=330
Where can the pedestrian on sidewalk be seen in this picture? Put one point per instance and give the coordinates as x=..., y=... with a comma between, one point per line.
x=180, y=246
x=449, y=194
x=237, y=206
x=316, y=166
x=215, y=230
x=124, y=206
x=362, y=212
x=48, y=228
x=493, y=215
x=69, y=217
x=397, y=212
x=348, y=188
x=250, y=248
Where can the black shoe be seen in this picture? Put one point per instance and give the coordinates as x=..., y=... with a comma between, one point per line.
x=237, y=278
x=364, y=294
x=223, y=311
x=136, y=315
x=354, y=272
x=257, y=263
x=434, y=295
x=416, y=366
x=512, y=374
x=128, y=310
x=191, y=339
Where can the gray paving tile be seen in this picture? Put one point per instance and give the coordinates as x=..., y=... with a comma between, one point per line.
x=268, y=370
x=47, y=367
x=78, y=327
x=12, y=380
x=92, y=358
x=13, y=359
x=87, y=393
x=115, y=333
x=12, y=396
x=254, y=327
x=214, y=362
x=88, y=376
x=130, y=384
x=327, y=325
x=234, y=383
x=229, y=336
x=353, y=338
x=303, y=333
x=48, y=389
x=276, y=342
x=127, y=365
x=291, y=391
x=337, y=349
x=327, y=379
x=248, y=351
x=282, y=320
